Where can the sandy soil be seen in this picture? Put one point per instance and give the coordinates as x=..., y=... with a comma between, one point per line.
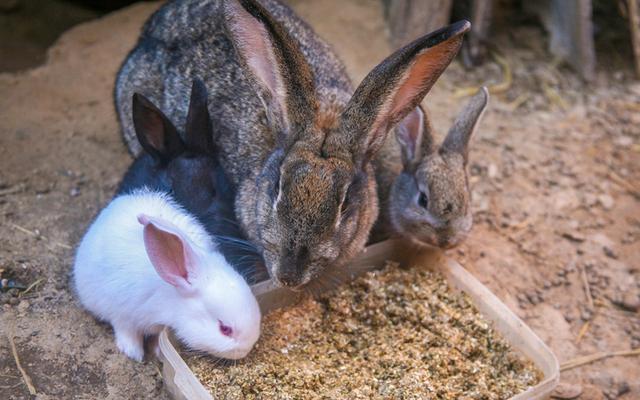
x=554, y=169
x=29, y=27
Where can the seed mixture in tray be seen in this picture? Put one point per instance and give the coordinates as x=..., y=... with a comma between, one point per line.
x=391, y=334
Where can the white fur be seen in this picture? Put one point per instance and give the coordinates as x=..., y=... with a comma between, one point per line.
x=116, y=281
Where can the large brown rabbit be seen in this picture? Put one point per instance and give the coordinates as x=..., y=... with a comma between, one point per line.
x=294, y=138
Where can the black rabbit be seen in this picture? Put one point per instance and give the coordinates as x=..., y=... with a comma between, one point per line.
x=188, y=170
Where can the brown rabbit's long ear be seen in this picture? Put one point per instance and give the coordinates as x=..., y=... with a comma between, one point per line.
x=156, y=134
x=394, y=88
x=273, y=58
x=415, y=136
x=457, y=139
x=198, y=129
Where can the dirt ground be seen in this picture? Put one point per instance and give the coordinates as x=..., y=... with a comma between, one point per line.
x=555, y=171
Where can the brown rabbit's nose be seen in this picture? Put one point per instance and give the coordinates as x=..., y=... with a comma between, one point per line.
x=289, y=280
x=293, y=262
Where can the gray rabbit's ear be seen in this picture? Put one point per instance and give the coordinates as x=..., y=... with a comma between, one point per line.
x=274, y=61
x=394, y=88
x=156, y=134
x=414, y=134
x=198, y=129
x=457, y=139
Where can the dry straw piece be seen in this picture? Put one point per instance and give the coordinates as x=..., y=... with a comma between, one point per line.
x=393, y=333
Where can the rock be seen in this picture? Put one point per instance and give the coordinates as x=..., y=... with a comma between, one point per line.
x=565, y=199
x=573, y=237
x=609, y=252
x=492, y=171
x=23, y=306
x=567, y=391
x=522, y=298
x=611, y=394
x=629, y=301
x=586, y=314
x=532, y=297
x=623, y=141
x=623, y=388
x=605, y=201
x=602, y=240
x=74, y=192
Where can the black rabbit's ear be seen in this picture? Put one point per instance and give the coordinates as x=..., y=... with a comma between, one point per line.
x=414, y=133
x=198, y=129
x=274, y=62
x=465, y=125
x=392, y=89
x=155, y=132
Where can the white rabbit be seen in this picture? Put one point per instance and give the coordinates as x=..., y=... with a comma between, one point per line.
x=145, y=263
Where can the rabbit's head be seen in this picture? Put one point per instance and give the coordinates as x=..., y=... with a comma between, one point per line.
x=430, y=200
x=188, y=167
x=189, y=170
x=218, y=313
x=314, y=201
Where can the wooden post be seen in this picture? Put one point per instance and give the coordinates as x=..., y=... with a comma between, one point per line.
x=410, y=19
x=634, y=28
x=571, y=28
x=474, y=48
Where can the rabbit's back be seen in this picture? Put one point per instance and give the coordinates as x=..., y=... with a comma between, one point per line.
x=114, y=245
x=187, y=39
x=113, y=275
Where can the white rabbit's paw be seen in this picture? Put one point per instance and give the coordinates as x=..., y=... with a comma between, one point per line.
x=130, y=343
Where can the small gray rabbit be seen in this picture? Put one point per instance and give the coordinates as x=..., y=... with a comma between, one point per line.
x=423, y=188
x=295, y=139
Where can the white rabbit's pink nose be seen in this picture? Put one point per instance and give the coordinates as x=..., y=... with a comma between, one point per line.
x=226, y=330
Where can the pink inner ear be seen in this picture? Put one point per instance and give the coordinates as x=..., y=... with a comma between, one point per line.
x=168, y=253
x=423, y=74
x=252, y=40
x=410, y=132
x=416, y=82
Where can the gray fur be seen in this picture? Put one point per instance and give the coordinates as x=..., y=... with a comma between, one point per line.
x=438, y=172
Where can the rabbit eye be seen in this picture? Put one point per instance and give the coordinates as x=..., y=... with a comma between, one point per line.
x=422, y=200
x=350, y=205
x=225, y=329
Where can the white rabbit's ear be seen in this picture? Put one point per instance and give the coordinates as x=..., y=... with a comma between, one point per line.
x=274, y=61
x=170, y=253
x=465, y=125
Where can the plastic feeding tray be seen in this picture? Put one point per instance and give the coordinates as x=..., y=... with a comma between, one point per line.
x=182, y=384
